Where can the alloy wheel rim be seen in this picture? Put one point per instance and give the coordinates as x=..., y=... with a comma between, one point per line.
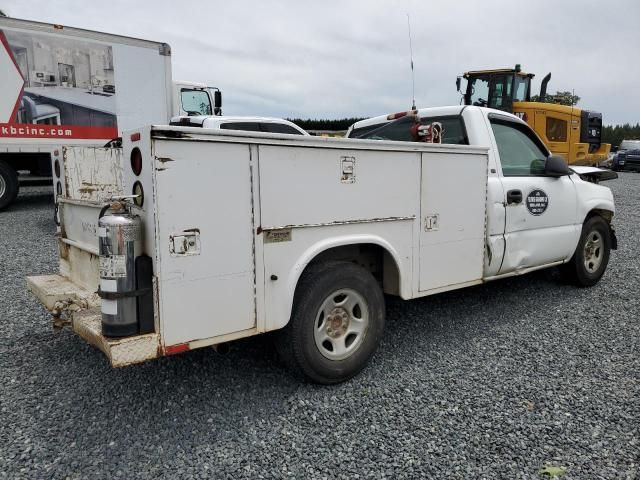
x=341, y=324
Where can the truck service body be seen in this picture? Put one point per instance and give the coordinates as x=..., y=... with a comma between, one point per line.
x=69, y=86
x=249, y=233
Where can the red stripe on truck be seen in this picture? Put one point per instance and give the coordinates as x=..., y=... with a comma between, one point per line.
x=174, y=349
x=39, y=130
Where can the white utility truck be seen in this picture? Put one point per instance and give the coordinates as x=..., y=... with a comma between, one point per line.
x=68, y=86
x=231, y=234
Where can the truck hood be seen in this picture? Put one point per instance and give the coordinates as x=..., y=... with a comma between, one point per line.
x=594, y=174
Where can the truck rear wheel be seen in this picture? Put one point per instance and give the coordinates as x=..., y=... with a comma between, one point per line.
x=591, y=257
x=8, y=184
x=336, y=324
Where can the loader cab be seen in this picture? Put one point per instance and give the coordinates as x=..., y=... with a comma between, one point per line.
x=497, y=88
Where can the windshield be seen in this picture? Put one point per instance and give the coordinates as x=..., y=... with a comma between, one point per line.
x=479, y=91
x=399, y=130
x=494, y=90
x=196, y=102
x=629, y=145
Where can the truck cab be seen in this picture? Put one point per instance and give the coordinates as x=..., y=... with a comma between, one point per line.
x=527, y=202
x=193, y=98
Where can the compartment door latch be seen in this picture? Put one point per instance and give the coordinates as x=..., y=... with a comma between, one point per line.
x=347, y=169
x=185, y=243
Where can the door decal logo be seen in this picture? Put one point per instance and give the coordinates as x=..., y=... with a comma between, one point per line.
x=537, y=202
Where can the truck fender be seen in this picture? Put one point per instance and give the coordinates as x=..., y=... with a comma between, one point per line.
x=323, y=245
x=599, y=206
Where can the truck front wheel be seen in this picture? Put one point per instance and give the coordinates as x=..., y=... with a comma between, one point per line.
x=591, y=257
x=337, y=322
x=8, y=184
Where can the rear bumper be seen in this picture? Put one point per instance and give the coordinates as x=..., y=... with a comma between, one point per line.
x=82, y=310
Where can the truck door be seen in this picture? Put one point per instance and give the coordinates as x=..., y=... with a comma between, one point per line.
x=540, y=211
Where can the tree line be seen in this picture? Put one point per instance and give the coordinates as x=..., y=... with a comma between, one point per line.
x=614, y=134
x=322, y=124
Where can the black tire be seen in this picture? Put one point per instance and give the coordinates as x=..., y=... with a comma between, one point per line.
x=297, y=342
x=8, y=184
x=576, y=271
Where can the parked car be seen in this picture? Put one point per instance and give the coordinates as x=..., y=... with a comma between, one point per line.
x=619, y=159
x=626, y=160
x=249, y=124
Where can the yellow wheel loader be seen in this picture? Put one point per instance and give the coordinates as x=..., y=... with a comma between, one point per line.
x=570, y=132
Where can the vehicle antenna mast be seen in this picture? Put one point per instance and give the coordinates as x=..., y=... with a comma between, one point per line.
x=413, y=79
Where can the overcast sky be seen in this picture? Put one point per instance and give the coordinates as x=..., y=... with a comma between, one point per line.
x=334, y=59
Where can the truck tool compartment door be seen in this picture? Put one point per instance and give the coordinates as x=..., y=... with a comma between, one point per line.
x=540, y=210
x=205, y=239
x=452, y=232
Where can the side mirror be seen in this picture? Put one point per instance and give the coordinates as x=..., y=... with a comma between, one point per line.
x=556, y=166
x=217, y=99
x=458, y=80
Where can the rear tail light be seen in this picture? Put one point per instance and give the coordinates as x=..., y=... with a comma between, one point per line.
x=136, y=161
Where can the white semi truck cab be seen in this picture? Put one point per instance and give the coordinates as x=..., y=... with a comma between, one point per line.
x=217, y=235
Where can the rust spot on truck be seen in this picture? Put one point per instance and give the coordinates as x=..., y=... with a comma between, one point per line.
x=87, y=188
x=63, y=249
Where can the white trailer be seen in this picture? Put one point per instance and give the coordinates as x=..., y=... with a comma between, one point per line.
x=69, y=86
x=249, y=233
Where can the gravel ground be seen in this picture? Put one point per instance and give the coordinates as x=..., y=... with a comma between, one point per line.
x=496, y=381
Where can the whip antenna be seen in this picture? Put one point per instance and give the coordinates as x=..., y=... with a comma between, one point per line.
x=413, y=79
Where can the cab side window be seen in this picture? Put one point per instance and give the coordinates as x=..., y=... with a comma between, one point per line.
x=520, y=154
x=195, y=102
x=556, y=129
x=246, y=126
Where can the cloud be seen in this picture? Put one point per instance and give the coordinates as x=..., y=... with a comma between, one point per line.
x=333, y=59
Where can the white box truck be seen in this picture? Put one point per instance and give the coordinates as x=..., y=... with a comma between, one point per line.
x=69, y=86
x=231, y=234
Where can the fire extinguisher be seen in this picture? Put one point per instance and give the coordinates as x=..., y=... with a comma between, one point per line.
x=125, y=273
